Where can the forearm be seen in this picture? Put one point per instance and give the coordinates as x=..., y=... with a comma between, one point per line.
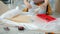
x=26, y=2
x=46, y=2
x=28, y=5
x=43, y=6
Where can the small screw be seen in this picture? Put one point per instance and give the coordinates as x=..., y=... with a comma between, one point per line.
x=20, y=28
x=6, y=28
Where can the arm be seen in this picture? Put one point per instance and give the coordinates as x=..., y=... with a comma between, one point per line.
x=43, y=6
x=27, y=4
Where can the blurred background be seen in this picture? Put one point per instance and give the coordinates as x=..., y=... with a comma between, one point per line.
x=20, y=2
x=13, y=3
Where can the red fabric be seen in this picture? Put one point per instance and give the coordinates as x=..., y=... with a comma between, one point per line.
x=46, y=17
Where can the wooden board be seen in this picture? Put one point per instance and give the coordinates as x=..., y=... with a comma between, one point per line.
x=21, y=19
x=3, y=8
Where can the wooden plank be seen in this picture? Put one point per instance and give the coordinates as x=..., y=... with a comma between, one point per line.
x=3, y=8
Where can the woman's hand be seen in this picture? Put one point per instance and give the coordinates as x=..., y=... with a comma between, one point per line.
x=44, y=4
x=28, y=5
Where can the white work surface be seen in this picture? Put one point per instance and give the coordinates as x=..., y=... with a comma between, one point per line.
x=37, y=26
x=31, y=27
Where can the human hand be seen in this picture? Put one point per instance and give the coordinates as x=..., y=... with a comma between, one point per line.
x=28, y=5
